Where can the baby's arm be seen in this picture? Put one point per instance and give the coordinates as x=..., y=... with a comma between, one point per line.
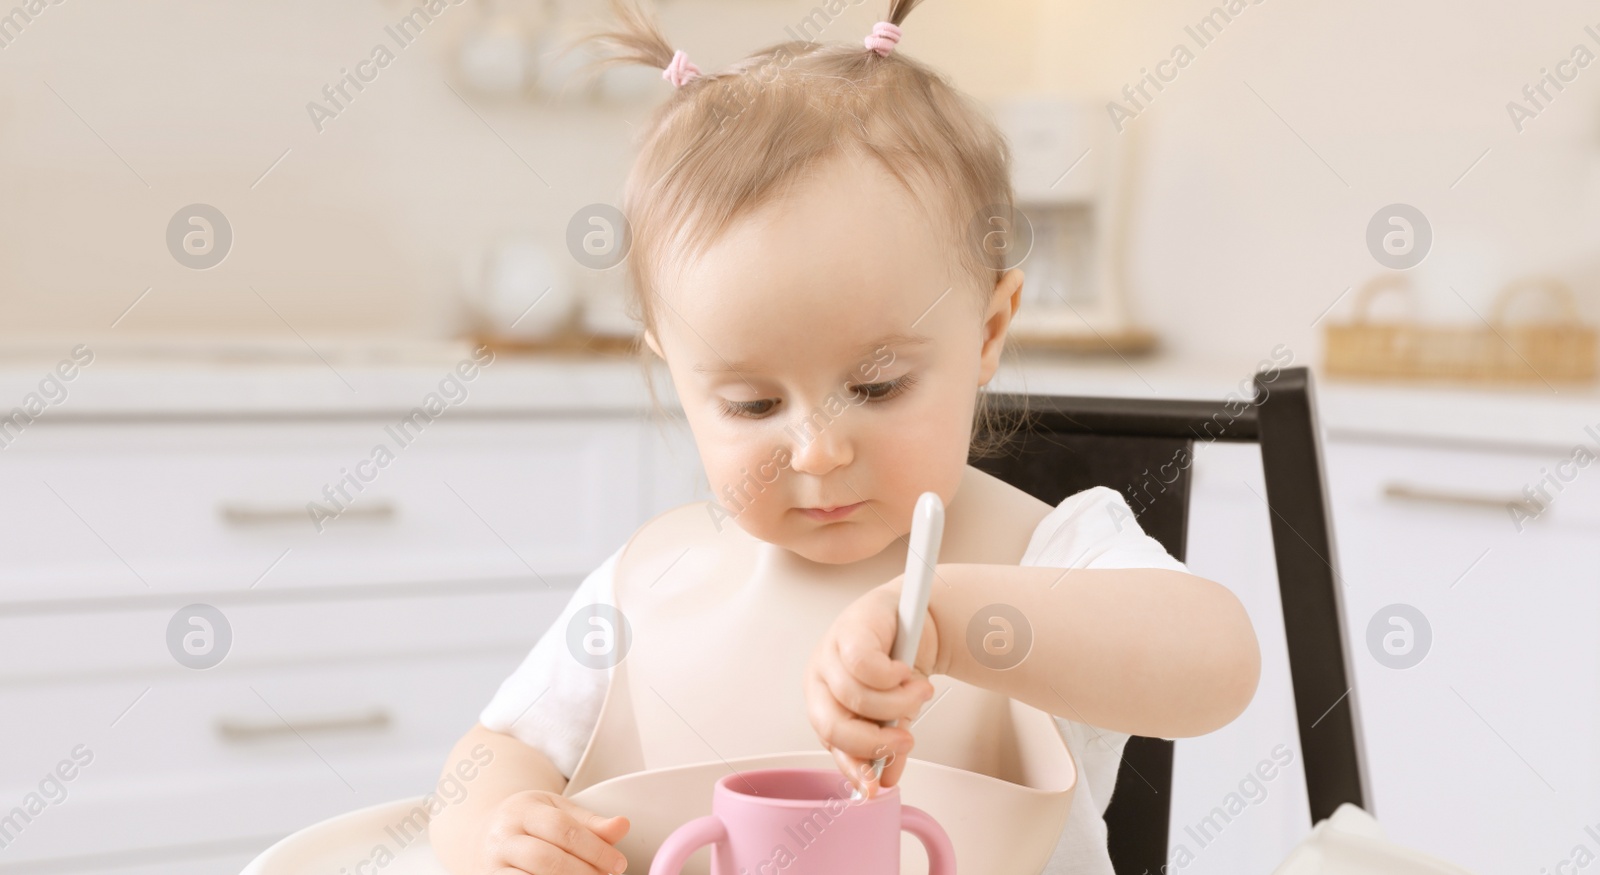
x=1147, y=651
x=457, y=831
x=513, y=815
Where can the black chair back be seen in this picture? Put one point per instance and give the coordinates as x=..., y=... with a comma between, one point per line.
x=1143, y=448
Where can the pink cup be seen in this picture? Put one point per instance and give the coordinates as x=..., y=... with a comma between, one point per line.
x=803, y=822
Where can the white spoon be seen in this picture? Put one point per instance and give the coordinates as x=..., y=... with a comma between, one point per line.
x=922, y=554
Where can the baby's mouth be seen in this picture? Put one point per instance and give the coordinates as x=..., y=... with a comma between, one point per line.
x=831, y=513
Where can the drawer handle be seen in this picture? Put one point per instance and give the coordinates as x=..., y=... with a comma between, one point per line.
x=246, y=515
x=234, y=730
x=1438, y=496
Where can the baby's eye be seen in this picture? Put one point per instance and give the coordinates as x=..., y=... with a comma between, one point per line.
x=749, y=409
x=886, y=390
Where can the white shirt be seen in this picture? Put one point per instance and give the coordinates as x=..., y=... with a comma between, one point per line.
x=553, y=704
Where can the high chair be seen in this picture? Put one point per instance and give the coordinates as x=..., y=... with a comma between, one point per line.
x=1070, y=444
x=1066, y=445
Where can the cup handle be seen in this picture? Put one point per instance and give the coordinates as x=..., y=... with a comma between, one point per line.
x=941, y=855
x=684, y=841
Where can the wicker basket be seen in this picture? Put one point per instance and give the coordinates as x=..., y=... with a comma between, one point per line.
x=1499, y=352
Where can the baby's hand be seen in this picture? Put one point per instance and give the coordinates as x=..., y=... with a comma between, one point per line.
x=544, y=833
x=852, y=685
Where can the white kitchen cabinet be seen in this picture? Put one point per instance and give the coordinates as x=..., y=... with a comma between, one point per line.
x=1487, y=751
x=121, y=509
x=377, y=639
x=1484, y=751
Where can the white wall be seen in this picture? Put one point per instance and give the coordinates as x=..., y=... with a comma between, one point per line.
x=1243, y=235
x=362, y=227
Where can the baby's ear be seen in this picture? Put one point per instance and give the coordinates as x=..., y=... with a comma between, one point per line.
x=655, y=346
x=1002, y=307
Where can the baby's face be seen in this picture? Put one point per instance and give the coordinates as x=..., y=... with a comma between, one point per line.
x=827, y=351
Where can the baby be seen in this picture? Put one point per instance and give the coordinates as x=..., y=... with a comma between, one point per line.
x=810, y=262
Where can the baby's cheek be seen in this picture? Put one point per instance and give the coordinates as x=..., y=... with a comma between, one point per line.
x=922, y=455
x=749, y=486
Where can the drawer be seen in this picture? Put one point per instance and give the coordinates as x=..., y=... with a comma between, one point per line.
x=130, y=509
x=1431, y=523
x=268, y=629
x=1510, y=676
x=206, y=758
x=1450, y=486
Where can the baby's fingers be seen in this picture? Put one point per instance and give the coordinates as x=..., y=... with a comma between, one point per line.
x=569, y=840
x=894, y=758
x=859, y=770
x=838, y=727
x=537, y=856
x=893, y=765
x=863, y=656
x=871, y=703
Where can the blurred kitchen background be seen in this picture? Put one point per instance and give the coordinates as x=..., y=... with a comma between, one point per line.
x=221, y=290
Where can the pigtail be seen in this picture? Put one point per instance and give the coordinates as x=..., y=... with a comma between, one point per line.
x=899, y=9
x=886, y=33
x=634, y=38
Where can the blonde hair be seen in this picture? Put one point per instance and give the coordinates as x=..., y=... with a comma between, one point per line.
x=733, y=140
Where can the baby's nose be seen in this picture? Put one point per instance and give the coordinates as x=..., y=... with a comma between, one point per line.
x=821, y=446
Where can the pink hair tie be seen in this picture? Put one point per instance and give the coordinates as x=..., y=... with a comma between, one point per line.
x=883, y=38
x=680, y=70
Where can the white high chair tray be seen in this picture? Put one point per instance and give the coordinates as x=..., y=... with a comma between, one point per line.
x=378, y=836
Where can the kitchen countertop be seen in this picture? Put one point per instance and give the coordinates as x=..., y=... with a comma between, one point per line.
x=122, y=385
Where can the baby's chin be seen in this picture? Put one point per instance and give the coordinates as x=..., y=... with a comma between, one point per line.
x=836, y=544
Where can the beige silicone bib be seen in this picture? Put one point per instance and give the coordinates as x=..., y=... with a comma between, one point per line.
x=722, y=628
